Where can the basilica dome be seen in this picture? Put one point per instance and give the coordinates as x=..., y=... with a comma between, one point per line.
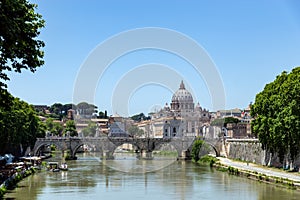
x=182, y=95
x=182, y=99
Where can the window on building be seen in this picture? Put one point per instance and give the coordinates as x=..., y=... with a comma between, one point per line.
x=174, y=130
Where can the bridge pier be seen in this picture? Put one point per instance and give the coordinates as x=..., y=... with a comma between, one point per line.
x=146, y=155
x=185, y=155
x=107, y=155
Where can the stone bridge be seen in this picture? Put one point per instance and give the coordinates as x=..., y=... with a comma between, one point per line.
x=107, y=145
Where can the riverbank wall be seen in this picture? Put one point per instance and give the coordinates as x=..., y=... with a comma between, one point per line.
x=250, y=150
x=245, y=150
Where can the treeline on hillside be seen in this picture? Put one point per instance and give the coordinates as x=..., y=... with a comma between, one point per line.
x=139, y=117
x=60, y=111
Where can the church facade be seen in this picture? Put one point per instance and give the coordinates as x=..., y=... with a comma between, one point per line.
x=181, y=118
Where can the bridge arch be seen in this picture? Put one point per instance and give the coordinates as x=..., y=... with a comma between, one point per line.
x=37, y=149
x=75, y=148
x=213, y=147
x=159, y=145
x=120, y=143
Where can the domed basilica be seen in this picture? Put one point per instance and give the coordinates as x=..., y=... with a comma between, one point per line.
x=182, y=100
x=181, y=118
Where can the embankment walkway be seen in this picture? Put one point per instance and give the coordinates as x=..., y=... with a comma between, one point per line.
x=293, y=176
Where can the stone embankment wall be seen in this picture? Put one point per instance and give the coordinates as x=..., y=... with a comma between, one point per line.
x=251, y=150
x=245, y=150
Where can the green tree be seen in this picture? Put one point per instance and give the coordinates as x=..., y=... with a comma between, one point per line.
x=70, y=128
x=90, y=130
x=102, y=115
x=224, y=121
x=276, y=113
x=56, y=108
x=19, y=50
x=139, y=117
x=197, y=145
x=54, y=127
x=19, y=47
x=67, y=107
x=135, y=131
x=19, y=125
x=60, y=111
x=86, y=109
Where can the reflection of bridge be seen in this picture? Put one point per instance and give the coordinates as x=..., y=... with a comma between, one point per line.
x=107, y=145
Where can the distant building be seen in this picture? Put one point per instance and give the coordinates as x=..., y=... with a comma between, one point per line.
x=236, y=112
x=117, y=126
x=183, y=118
x=238, y=130
x=102, y=126
x=70, y=114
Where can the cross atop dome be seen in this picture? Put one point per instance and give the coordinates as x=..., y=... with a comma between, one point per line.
x=182, y=85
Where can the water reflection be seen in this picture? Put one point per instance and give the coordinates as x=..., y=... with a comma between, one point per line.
x=90, y=178
x=128, y=163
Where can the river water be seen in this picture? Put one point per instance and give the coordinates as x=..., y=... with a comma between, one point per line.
x=128, y=178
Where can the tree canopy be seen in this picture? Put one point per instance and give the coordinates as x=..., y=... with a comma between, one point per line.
x=59, y=111
x=70, y=128
x=135, y=131
x=90, y=130
x=19, y=47
x=19, y=124
x=84, y=108
x=53, y=127
x=139, y=117
x=276, y=113
x=224, y=121
x=196, y=149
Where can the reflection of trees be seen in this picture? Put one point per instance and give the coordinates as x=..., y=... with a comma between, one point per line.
x=28, y=187
x=267, y=191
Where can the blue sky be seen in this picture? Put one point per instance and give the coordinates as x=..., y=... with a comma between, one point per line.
x=250, y=43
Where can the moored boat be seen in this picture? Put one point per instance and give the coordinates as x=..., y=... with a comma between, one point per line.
x=63, y=167
x=53, y=167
